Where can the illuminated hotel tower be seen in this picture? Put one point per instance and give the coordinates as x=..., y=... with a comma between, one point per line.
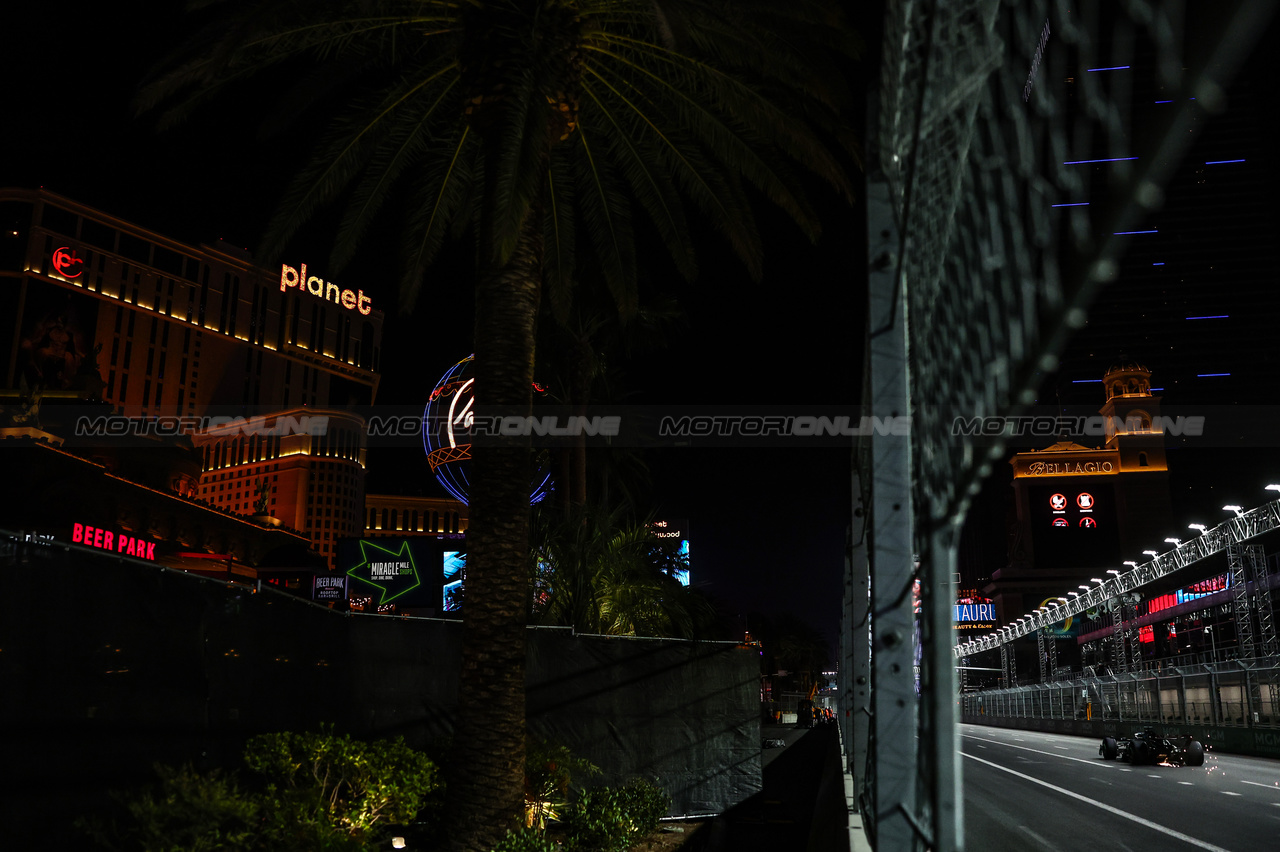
x=1080, y=509
x=94, y=305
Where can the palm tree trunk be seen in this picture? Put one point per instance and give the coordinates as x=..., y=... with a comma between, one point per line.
x=485, y=787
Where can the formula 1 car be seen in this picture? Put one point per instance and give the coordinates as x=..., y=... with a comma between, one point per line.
x=1147, y=746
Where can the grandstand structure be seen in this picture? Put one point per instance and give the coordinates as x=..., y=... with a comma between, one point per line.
x=982, y=263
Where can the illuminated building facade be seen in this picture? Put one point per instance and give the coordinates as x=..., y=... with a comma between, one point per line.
x=180, y=329
x=96, y=307
x=1079, y=509
x=123, y=502
x=303, y=468
x=395, y=515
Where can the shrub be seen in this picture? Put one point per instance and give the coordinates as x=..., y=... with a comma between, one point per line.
x=610, y=819
x=525, y=840
x=187, y=811
x=549, y=769
x=321, y=779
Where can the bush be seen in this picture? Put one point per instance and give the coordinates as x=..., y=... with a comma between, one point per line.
x=318, y=792
x=549, y=769
x=610, y=819
x=319, y=780
x=525, y=840
x=187, y=811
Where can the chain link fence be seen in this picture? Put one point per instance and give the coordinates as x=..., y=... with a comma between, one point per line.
x=1013, y=149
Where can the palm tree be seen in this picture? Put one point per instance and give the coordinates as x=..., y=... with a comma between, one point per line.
x=534, y=126
x=599, y=572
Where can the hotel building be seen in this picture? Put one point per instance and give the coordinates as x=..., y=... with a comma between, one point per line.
x=96, y=307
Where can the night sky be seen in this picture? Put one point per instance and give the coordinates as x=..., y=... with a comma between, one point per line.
x=767, y=525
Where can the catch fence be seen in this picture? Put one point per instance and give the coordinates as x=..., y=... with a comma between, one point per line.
x=1006, y=170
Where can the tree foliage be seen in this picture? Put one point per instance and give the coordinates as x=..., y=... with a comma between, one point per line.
x=599, y=572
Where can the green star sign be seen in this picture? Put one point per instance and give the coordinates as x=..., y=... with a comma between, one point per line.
x=392, y=572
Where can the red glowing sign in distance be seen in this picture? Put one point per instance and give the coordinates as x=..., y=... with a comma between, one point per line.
x=118, y=542
x=327, y=290
x=65, y=260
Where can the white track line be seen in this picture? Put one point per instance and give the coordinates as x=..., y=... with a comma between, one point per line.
x=1154, y=826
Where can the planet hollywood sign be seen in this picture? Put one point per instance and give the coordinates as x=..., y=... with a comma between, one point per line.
x=352, y=300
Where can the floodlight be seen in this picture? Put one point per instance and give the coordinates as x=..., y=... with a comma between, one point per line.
x=1200, y=527
x=1175, y=542
x=1150, y=553
x=1238, y=510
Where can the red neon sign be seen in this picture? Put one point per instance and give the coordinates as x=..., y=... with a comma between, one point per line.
x=64, y=260
x=107, y=540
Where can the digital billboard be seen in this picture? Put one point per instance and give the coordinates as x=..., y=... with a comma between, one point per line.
x=974, y=612
x=401, y=572
x=1074, y=524
x=455, y=563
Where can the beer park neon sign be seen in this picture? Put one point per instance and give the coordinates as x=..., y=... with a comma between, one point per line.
x=126, y=545
x=327, y=290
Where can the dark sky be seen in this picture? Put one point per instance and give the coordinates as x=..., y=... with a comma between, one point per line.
x=767, y=525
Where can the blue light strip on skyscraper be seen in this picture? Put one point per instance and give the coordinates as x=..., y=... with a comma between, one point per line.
x=1122, y=233
x=1106, y=160
x=1164, y=102
x=1155, y=389
x=1220, y=162
x=1161, y=263
x=1210, y=375
x=1085, y=381
x=1214, y=316
x=1112, y=68
x=1072, y=204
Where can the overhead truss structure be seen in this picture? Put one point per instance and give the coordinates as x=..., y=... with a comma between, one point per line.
x=1238, y=530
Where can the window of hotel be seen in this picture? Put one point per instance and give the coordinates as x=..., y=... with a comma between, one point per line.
x=128, y=352
x=115, y=349
x=132, y=318
x=98, y=234
x=57, y=219
x=135, y=249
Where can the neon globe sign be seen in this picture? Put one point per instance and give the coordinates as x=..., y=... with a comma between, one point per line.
x=446, y=433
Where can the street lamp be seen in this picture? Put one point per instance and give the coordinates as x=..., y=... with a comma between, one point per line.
x=1238, y=510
